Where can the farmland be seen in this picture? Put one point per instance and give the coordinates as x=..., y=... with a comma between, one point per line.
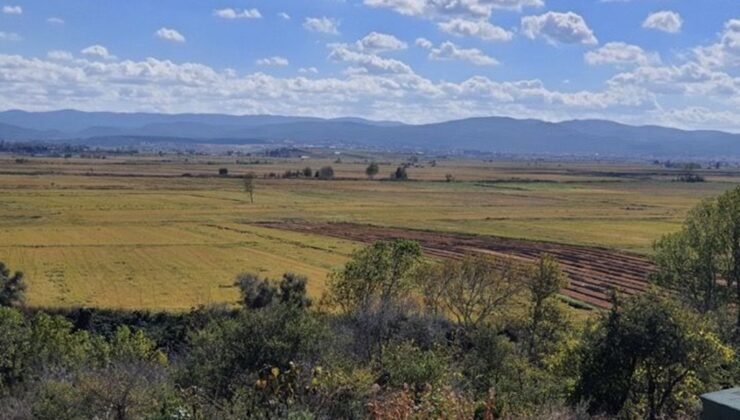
x=135, y=233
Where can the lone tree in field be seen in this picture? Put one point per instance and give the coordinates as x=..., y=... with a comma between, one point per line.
x=372, y=170
x=12, y=288
x=400, y=174
x=223, y=171
x=702, y=260
x=326, y=172
x=249, y=185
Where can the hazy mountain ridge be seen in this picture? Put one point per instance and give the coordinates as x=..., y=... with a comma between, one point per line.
x=490, y=134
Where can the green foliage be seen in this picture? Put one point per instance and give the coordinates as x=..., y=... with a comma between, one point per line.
x=406, y=364
x=650, y=358
x=258, y=293
x=471, y=290
x=232, y=353
x=689, y=261
x=547, y=323
x=255, y=292
x=12, y=288
x=372, y=170
x=379, y=273
x=400, y=174
x=326, y=172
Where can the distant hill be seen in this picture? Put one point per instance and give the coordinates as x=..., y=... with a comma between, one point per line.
x=489, y=134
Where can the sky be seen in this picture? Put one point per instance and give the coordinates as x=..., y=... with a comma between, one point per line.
x=665, y=62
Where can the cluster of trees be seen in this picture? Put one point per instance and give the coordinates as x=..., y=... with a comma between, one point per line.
x=396, y=336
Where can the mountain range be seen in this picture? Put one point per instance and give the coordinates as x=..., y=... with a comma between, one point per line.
x=486, y=134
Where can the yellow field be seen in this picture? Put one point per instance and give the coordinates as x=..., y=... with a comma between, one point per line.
x=175, y=242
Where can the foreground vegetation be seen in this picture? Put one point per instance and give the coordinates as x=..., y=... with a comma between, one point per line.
x=135, y=233
x=395, y=336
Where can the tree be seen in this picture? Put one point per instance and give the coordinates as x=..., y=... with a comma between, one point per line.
x=326, y=172
x=12, y=288
x=378, y=273
x=307, y=172
x=648, y=358
x=473, y=289
x=255, y=292
x=223, y=171
x=249, y=185
x=702, y=260
x=373, y=291
x=372, y=170
x=400, y=174
x=545, y=320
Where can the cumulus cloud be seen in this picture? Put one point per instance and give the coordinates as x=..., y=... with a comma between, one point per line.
x=379, y=42
x=665, y=20
x=476, y=28
x=383, y=89
x=10, y=36
x=726, y=52
x=556, y=27
x=230, y=13
x=60, y=55
x=55, y=21
x=367, y=62
x=308, y=70
x=284, y=16
x=323, y=25
x=423, y=43
x=273, y=61
x=621, y=54
x=441, y=8
x=449, y=51
x=169, y=34
x=13, y=10
x=98, y=51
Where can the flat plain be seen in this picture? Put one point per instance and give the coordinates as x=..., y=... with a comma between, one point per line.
x=168, y=233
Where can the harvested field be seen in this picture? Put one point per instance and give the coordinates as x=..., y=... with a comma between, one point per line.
x=593, y=272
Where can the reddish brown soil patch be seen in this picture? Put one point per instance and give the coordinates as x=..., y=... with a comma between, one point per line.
x=593, y=272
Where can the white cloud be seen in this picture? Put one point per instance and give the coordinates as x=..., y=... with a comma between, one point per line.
x=60, y=55
x=555, y=27
x=55, y=21
x=273, y=61
x=284, y=16
x=423, y=43
x=323, y=24
x=10, y=36
x=368, y=62
x=665, y=20
x=98, y=51
x=476, y=28
x=13, y=10
x=230, y=13
x=726, y=52
x=171, y=35
x=440, y=8
x=449, y=51
x=621, y=54
x=379, y=42
x=308, y=70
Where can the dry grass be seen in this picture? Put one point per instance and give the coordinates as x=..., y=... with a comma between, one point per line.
x=170, y=242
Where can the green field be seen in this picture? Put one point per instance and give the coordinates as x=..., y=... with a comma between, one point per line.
x=135, y=233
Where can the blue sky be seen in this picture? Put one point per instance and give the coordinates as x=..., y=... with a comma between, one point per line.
x=669, y=62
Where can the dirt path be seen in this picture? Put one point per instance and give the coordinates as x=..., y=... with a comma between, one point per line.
x=593, y=272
